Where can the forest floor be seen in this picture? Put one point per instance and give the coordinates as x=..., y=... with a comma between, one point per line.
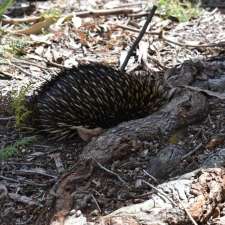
x=40, y=42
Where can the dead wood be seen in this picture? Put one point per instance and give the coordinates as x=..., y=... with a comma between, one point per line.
x=119, y=142
x=186, y=107
x=200, y=192
x=197, y=193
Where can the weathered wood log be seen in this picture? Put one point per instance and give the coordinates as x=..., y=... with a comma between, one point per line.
x=187, y=107
x=184, y=109
x=189, y=199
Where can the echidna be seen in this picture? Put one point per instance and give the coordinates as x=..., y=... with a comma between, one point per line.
x=94, y=95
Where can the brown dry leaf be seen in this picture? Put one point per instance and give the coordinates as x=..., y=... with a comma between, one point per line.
x=197, y=207
x=83, y=38
x=86, y=134
x=37, y=27
x=215, y=141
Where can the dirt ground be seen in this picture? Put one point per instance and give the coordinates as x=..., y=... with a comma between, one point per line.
x=31, y=166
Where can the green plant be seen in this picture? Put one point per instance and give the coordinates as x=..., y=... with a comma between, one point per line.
x=51, y=13
x=182, y=10
x=12, y=150
x=19, y=106
x=5, y=5
x=13, y=45
x=16, y=47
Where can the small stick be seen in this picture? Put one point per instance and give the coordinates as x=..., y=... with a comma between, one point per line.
x=6, y=75
x=7, y=118
x=9, y=179
x=55, y=64
x=29, y=63
x=32, y=19
x=192, y=151
x=141, y=34
x=172, y=201
x=34, y=173
x=138, y=15
x=152, y=177
x=169, y=41
x=82, y=14
x=205, y=45
x=187, y=212
x=125, y=27
x=106, y=12
x=161, y=193
x=109, y=171
x=21, y=69
x=96, y=202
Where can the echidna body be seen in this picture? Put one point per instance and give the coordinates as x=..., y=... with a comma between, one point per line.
x=94, y=95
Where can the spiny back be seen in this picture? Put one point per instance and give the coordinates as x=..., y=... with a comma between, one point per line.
x=94, y=95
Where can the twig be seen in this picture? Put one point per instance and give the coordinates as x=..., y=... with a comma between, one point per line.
x=29, y=63
x=9, y=76
x=35, y=173
x=141, y=34
x=138, y=15
x=56, y=65
x=211, y=45
x=94, y=13
x=193, y=151
x=218, y=95
x=172, y=201
x=187, y=212
x=168, y=40
x=109, y=171
x=157, y=62
x=21, y=20
x=106, y=12
x=21, y=69
x=126, y=5
x=58, y=162
x=96, y=203
x=7, y=118
x=149, y=175
x=161, y=192
x=30, y=182
x=6, y=75
x=18, y=67
x=132, y=28
x=9, y=179
x=24, y=199
x=24, y=163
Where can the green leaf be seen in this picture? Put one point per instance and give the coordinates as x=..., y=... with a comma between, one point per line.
x=5, y=5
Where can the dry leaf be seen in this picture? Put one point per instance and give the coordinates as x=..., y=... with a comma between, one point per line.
x=37, y=27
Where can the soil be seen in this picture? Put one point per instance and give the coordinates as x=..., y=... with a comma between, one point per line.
x=31, y=168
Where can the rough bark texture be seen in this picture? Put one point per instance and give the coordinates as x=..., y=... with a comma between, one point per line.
x=197, y=193
x=186, y=108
